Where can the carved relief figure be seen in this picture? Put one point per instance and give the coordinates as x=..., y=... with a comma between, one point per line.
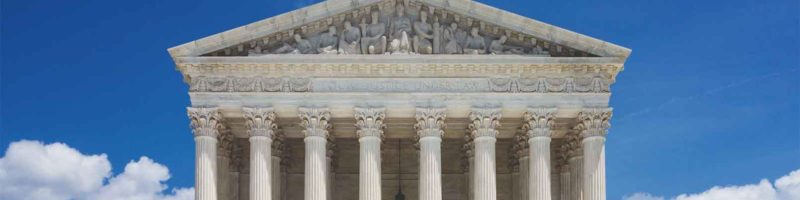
x=400, y=27
x=348, y=43
x=452, y=45
x=373, y=40
x=475, y=43
x=424, y=35
x=327, y=41
x=303, y=46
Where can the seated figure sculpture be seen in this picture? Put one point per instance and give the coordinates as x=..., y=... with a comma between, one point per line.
x=451, y=43
x=400, y=27
x=327, y=42
x=303, y=46
x=424, y=33
x=373, y=40
x=348, y=42
x=475, y=43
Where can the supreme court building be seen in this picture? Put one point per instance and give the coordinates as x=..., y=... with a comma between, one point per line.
x=399, y=99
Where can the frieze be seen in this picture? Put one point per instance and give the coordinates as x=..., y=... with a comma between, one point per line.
x=399, y=27
x=591, y=83
x=397, y=69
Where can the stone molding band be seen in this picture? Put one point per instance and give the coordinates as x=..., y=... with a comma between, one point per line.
x=541, y=84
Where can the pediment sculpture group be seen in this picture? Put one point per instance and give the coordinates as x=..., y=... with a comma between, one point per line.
x=397, y=34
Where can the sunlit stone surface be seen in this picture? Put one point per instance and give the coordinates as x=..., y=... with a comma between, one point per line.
x=362, y=99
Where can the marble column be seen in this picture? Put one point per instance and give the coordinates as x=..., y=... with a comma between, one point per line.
x=538, y=122
x=430, y=128
x=315, y=122
x=575, y=161
x=261, y=126
x=369, y=124
x=563, y=173
x=484, y=122
x=593, y=125
x=223, y=163
x=205, y=123
x=237, y=152
x=520, y=164
x=469, y=163
x=277, y=153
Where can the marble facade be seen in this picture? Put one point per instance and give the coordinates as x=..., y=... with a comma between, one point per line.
x=357, y=99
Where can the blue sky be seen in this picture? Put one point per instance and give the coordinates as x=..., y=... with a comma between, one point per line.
x=708, y=97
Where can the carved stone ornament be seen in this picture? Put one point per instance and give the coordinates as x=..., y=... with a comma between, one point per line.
x=593, y=122
x=369, y=121
x=225, y=145
x=397, y=28
x=260, y=121
x=205, y=121
x=484, y=122
x=573, y=145
x=315, y=121
x=570, y=84
x=430, y=122
x=539, y=121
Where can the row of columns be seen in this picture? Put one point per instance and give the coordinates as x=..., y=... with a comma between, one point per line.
x=538, y=123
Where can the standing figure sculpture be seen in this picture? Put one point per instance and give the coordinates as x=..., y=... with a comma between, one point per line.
x=373, y=40
x=400, y=27
x=451, y=43
x=348, y=41
x=424, y=35
x=475, y=43
x=327, y=42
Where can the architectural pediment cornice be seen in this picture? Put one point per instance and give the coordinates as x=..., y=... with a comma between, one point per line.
x=300, y=30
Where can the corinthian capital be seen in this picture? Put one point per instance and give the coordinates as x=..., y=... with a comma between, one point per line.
x=260, y=121
x=205, y=121
x=315, y=121
x=594, y=122
x=538, y=121
x=369, y=121
x=430, y=122
x=484, y=121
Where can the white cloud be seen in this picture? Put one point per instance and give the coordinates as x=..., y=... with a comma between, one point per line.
x=785, y=188
x=33, y=170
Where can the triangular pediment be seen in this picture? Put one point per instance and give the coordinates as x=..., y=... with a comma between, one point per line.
x=375, y=27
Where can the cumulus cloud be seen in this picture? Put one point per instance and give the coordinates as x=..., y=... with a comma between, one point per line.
x=784, y=188
x=33, y=170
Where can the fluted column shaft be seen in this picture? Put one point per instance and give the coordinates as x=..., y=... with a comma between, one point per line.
x=538, y=122
x=205, y=123
x=315, y=121
x=224, y=145
x=206, y=168
x=316, y=173
x=539, y=183
x=261, y=126
x=564, y=185
x=524, y=176
x=429, y=127
x=576, y=175
x=484, y=124
x=594, y=168
x=369, y=168
x=276, y=176
x=485, y=172
x=260, y=168
x=369, y=122
x=430, y=182
x=593, y=126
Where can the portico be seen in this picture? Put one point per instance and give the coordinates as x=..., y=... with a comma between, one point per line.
x=290, y=108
